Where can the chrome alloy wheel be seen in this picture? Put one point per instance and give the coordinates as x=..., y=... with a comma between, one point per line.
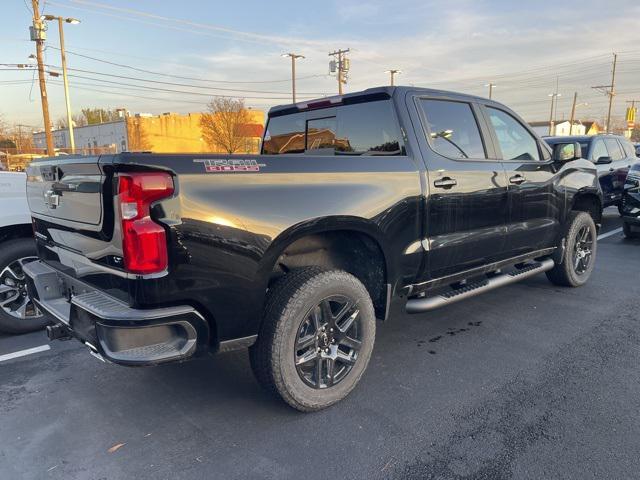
x=583, y=250
x=14, y=299
x=328, y=341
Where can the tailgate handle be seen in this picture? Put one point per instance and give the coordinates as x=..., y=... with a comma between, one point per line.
x=64, y=187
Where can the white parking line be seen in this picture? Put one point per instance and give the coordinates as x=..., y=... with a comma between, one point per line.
x=24, y=353
x=610, y=234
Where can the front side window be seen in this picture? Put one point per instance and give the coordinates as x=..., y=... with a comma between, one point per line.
x=599, y=150
x=515, y=141
x=615, y=152
x=453, y=129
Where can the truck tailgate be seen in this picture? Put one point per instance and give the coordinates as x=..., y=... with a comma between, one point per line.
x=68, y=189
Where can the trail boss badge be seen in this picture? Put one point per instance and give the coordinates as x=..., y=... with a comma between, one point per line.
x=230, y=165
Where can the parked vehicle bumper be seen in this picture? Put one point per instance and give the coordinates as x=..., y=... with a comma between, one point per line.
x=112, y=330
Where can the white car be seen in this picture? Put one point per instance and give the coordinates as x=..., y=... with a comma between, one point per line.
x=18, y=314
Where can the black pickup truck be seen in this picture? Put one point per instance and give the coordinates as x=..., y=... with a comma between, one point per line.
x=425, y=197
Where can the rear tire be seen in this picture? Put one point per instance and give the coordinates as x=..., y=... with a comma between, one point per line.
x=13, y=254
x=316, y=338
x=580, y=252
x=628, y=231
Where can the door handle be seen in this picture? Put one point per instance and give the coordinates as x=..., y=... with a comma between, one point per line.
x=445, y=182
x=612, y=169
x=517, y=179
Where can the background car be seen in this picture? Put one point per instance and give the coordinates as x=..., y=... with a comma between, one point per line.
x=631, y=203
x=18, y=314
x=613, y=156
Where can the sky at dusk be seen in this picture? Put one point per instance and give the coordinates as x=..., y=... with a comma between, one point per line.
x=194, y=49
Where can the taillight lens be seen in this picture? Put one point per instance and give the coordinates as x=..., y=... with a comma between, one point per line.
x=144, y=242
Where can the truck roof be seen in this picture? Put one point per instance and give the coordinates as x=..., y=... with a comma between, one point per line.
x=370, y=94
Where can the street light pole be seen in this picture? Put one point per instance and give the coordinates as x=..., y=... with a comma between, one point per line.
x=65, y=79
x=491, y=87
x=294, y=57
x=392, y=73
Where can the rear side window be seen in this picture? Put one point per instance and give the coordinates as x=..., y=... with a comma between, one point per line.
x=453, y=129
x=369, y=128
x=615, y=152
x=515, y=140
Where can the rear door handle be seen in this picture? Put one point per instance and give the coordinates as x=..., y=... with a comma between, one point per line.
x=517, y=179
x=445, y=182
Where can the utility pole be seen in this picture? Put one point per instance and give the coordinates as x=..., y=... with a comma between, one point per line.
x=341, y=66
x=19, y=138
x=610, y=91
x=38, y=35
x=491, y=87
x=294, y=57
x=573, y=112
x=393, y=73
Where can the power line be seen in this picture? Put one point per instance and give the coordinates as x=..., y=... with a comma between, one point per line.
x=175, y=84
x=142, y=70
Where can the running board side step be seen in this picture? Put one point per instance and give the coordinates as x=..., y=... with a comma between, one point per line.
x=425, y=304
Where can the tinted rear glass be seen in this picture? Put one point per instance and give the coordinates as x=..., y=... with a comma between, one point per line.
x=369, y=128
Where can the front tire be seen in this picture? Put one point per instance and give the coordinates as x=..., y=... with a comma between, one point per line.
x=628, y=231
x=18, y=314
x=316, y=338
x=580, y=252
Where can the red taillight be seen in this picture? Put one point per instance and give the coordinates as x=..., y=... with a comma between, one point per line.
x=144, y=242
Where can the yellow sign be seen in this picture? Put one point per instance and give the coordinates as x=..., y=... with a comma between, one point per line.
x=631, y=115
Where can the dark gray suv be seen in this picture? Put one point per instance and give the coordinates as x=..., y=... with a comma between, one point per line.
x=613, y=156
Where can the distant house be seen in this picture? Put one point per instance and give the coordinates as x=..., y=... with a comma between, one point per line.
x=561, y=128
x=592, y=127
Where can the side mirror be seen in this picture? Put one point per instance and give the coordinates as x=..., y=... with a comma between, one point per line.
x=565, y=152
x=604, y=161
x=638, y=151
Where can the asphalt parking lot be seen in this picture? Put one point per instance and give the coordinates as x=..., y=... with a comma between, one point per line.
x=529, y=381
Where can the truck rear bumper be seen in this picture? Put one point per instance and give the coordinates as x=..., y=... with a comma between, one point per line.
x=112, y=330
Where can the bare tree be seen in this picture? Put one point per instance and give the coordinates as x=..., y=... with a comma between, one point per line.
x=223, y=123
x=137, y=136
x=78, y=120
